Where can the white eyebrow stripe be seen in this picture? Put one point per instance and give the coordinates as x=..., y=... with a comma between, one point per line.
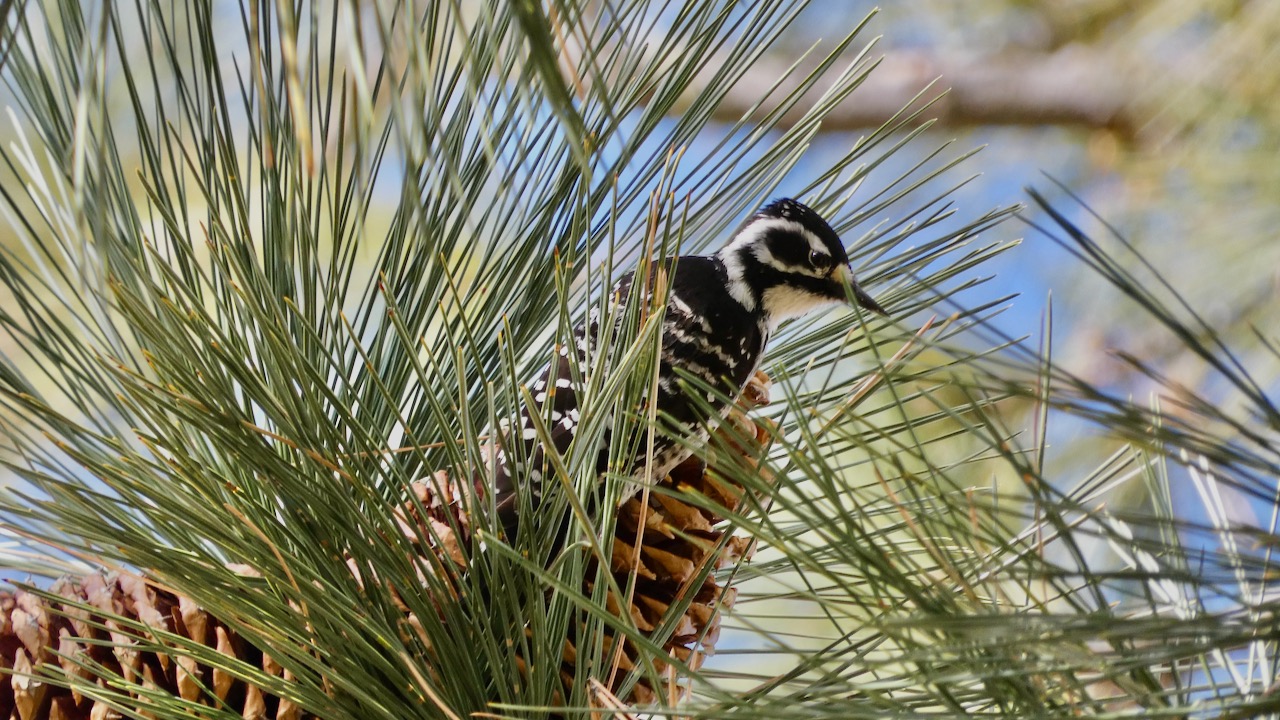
x=815, y=242
x=751, y=238
x=755, y=231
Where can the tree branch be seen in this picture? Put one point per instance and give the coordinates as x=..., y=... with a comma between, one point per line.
x=1073, y=87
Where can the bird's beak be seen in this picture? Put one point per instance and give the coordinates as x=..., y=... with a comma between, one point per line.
x=844, y=274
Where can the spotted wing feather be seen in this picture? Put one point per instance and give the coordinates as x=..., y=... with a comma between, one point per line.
x=554, y=387
x=703, y=336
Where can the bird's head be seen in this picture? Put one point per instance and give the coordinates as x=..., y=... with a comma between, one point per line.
x=786, y=260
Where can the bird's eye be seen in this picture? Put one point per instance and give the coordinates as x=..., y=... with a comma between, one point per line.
x=819, y=260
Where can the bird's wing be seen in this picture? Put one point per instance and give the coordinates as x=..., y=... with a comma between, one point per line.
x=521, y=458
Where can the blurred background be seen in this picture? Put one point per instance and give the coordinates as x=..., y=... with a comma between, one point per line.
x=1152, y=121
x=1160, y=115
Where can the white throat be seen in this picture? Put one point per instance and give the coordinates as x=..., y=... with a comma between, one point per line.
x=783, y=302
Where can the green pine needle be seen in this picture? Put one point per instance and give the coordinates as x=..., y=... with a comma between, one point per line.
x=272, y=263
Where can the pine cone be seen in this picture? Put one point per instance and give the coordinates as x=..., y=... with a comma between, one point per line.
x=48, y=638
x=33, y=626
x=669, y=543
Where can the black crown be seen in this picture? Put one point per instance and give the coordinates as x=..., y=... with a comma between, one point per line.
x=790, y=209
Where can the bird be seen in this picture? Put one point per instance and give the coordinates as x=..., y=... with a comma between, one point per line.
x=783, y=262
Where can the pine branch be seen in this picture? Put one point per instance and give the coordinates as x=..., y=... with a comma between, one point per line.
x=62, y=649
x=1073, y=86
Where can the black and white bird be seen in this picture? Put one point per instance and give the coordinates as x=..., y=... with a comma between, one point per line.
x=785, y=261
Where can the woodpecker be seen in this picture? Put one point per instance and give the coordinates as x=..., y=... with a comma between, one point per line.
x=783, y=262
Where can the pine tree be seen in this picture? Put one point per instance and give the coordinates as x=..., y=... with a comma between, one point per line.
x=279, y=270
